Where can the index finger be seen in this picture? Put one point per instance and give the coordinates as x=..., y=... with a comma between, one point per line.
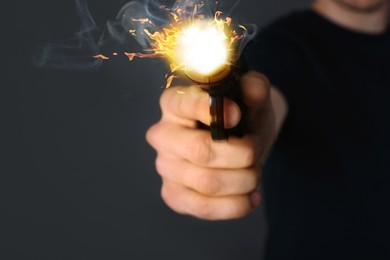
x=188, y=104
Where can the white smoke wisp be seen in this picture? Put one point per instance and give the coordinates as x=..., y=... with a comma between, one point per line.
x=156, y=15
x=75, y=53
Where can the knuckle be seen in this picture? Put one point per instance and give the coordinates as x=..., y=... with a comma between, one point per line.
x=200, y=150
x=208, y=184
x=152, y=135
x=248, y=156
x=170, y=199
x=166, y=194
x=252, y=179
x=161, y=166
x=165, y=99
x=238, y=207
x=201, y=209
x=149, y=135
x=238, y=211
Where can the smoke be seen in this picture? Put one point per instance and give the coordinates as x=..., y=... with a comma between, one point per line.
x=75, y=53
x=159, y=15
x=118, y=29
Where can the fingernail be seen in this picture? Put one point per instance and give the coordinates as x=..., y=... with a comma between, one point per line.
x=255, y=199
x=256, y=80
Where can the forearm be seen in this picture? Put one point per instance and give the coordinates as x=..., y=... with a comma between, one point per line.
x=280, y=111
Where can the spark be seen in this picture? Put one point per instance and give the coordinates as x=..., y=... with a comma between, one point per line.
x=101, y=56
x=142, y=20
x=131, y=56
x=190, y=41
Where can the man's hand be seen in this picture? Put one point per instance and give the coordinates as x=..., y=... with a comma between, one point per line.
x=207, y=179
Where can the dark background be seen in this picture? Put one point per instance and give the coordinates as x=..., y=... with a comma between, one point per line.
x=77, y=179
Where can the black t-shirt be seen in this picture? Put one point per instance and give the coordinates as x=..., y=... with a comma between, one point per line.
x=327, y=180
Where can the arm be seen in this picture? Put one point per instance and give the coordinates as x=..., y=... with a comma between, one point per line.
x=214, y=180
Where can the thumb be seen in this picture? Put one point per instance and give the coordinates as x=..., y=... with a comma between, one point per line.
x=256, y=90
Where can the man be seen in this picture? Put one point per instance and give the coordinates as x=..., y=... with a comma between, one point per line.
x=326, y=179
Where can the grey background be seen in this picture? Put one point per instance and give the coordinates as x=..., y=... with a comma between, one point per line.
x=77, y=179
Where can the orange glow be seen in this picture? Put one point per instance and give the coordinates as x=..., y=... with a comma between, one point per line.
x=101, y=56
x=191, y=41
x=131, y=56
x=142, y=20
x=169, y=80
x=170, y=41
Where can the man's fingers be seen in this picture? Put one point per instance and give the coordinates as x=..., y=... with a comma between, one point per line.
x=196, y=146
x=186, y=201
x=186, y=105
x=206, y=181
